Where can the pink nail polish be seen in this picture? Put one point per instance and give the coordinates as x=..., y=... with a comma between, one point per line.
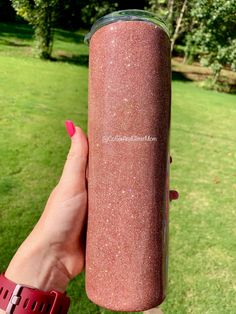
x=70, y=127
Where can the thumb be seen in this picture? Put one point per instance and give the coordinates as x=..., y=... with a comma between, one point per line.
x=73, y=177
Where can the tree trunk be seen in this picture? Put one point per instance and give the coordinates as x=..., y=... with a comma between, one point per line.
x=44, y=35
x=170, y=6
x=216, y=76
x=178, y=24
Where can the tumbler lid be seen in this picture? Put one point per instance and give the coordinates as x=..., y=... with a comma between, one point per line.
x=127, y=15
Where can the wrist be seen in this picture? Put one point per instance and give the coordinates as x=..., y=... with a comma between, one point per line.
x=21, y=298
x=36, y=265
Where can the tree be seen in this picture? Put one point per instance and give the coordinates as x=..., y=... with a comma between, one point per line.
x=95, y=9
x=73, y=14
x=41, y=15
x=206, y=28
x=212, y=36
x=7, y=13
x=174, y=13
x=178, y=23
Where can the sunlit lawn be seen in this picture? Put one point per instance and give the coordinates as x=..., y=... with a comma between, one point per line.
x=36, y=97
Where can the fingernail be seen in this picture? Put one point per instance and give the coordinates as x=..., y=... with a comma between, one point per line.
x=70, y=127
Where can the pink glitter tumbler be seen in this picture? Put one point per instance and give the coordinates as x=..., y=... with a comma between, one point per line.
x=128, y=130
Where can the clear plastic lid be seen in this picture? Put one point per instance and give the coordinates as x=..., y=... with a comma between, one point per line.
x=127, y=15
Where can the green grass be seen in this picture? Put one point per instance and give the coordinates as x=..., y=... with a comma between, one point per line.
x=36, y=97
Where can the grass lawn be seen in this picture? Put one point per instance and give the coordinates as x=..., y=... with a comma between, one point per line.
x=36, y=97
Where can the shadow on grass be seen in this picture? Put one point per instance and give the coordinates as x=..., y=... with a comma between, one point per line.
x=21, y=31
x=69, y=36
x=203, y=134
x=24, y=31
x=177, y=76
x=12, y=43
x=81, y=60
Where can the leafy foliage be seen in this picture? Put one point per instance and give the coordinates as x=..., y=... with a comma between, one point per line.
x=213, y=34
x=170, y=10
x=41, y=15
x=205, y=28
x=95, y=9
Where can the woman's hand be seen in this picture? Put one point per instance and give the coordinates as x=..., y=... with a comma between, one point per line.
x=53, y=253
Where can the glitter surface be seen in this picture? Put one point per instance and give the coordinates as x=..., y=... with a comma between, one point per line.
x=129, y=95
